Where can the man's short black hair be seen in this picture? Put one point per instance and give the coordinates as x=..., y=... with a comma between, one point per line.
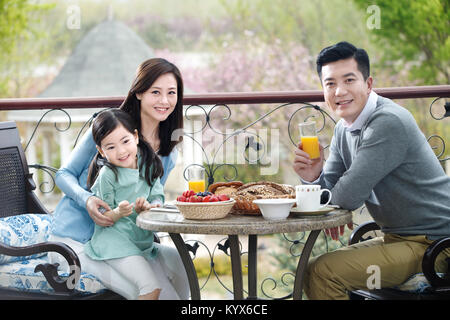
x=344, y=50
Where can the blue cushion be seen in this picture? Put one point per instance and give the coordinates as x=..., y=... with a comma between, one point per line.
x=17, y=273
x=24, y=230
x=417, y=283
x=21, y=276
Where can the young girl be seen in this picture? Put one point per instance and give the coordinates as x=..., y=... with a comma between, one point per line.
x=125, y=174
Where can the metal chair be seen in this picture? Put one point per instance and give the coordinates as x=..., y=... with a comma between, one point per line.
x=17, y=197
x=440, y=286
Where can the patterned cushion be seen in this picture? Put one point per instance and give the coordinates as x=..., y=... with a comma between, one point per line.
x=18, y=272
x=21, y=276
x=416, y=283
x=24, y=230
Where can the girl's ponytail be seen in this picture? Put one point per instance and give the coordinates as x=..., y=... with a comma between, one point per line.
x=94, y=168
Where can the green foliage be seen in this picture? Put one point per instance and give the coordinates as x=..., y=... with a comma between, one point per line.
x=415, y=34
x=222, y=265
x=13, y=22
x=18, y=33
x=288, y=252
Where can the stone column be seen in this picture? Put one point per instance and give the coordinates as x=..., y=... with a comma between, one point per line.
x=188, y=149
x=31, y=153
x=65, y=145
x=46, y=158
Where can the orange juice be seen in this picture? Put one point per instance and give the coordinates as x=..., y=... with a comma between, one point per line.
x=197, y=185
x=310, y=144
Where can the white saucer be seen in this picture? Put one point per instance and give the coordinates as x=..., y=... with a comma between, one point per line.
x=321, y=211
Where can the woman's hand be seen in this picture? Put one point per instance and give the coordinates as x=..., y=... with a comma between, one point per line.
x=141, y=204
x=93, y=205
x=308, y=169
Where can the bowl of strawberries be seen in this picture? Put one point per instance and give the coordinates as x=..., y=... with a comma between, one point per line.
x=204, y=205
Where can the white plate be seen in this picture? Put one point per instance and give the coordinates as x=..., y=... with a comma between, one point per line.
x=170, y=210
x=321, y=211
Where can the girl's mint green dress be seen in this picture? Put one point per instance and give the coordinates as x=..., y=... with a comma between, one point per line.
x=124, y=238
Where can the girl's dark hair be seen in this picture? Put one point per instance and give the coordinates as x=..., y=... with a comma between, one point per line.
x=146, y=75
x=107, y=121
x=341, y=51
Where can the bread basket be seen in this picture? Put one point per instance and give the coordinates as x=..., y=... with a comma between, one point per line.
x=205, y=210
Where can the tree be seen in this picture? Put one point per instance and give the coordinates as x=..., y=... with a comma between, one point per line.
x=413, y=33
x=16, y=30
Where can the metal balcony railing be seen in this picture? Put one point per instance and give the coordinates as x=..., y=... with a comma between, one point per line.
x=442, y=91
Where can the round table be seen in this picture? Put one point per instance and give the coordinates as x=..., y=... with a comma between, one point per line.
x=235, y=225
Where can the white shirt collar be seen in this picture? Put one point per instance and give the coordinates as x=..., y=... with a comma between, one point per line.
x=368, y=109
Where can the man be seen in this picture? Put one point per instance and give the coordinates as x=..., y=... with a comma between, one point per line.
x=378, y=157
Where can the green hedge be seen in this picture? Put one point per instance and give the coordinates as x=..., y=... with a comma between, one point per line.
x=222, y=265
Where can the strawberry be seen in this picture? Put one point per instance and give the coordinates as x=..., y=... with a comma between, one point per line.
x=192, y=193
x=186, y=194
x=195, y=198
x=214, y=198
x=181, y=199
x=207, y=199
x=223, y=197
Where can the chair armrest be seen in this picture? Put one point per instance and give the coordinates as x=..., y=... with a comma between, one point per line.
x=357, y=234
x=59, y=284
x=428, y=262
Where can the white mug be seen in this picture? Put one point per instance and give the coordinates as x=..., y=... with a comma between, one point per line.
x=308, y=197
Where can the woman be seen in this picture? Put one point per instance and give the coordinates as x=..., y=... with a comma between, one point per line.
x=155, y=102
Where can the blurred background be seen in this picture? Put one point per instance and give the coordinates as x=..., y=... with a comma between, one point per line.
x=71, y=48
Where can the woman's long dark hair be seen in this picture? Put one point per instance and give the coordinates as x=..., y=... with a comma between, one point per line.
x=105, y=122
x=146, y=75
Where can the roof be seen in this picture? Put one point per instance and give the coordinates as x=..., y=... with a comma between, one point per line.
x=102, y=64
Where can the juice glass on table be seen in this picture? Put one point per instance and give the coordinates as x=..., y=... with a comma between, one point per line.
x=197, y=186
x=309, y=139
x=196, y=179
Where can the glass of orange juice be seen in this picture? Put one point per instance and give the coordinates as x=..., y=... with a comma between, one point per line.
x=196, y=179
x=309, y=139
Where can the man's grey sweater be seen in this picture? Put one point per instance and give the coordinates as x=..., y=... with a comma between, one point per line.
x=390, y=167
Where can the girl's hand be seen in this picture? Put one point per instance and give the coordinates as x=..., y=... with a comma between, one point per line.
x=155, y=205
x=93, y=204
x=141, y=204
x=124, y=209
